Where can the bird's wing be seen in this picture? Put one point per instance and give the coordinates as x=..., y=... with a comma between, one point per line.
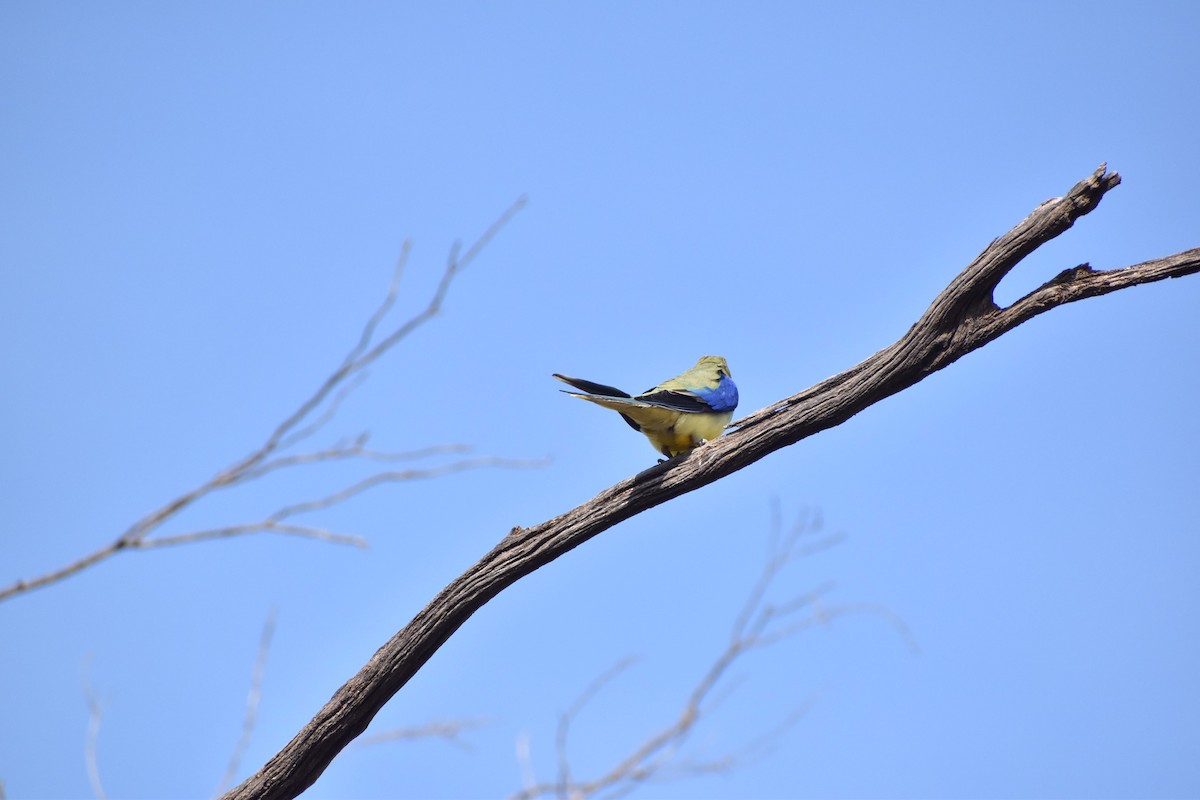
x=684, y=400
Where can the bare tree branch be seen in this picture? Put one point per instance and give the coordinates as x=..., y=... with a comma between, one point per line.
x=95, y=712
x=963, y=318
x=564, y=784
x=330, y=411
x=758, y=625
x=299, y=426
x=402, y=475
x=253, y=699
x=274, y=523
x=448, y=730
x=356, y=449
x=263, y=526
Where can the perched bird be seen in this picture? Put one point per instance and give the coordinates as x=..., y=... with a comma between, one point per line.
x=677, y=415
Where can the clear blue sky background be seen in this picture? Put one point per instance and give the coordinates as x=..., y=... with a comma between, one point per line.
x=201, y=205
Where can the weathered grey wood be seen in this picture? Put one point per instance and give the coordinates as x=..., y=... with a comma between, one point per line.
x=962, y=318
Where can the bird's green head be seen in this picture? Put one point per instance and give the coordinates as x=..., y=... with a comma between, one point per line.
x=716, y=363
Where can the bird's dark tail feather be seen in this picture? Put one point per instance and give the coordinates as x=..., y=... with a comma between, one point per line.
x=588, y=386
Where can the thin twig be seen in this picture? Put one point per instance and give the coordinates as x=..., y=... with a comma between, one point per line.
x=356, y=450
x=565, y=719
x=368, y=332
x=449, y=730
x=330, y=411
x=404, y=475
x=266, y=526
x=454, y=267
x=253, y=699
x=95, y=713
x=353, y=362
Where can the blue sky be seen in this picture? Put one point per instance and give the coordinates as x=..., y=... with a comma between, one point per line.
x=202, y=204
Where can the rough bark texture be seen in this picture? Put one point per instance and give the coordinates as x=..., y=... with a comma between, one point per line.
x=962, y=318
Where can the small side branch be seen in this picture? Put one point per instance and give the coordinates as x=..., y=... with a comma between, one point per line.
x=95, y=715
x=253, y=700
x=450, y=730
x=1082, y=282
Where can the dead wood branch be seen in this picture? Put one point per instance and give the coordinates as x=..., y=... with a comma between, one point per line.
x=300, y=425
x=758, y=625
x=963, y=318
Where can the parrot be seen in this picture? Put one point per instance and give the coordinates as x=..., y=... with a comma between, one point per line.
x=677, y=415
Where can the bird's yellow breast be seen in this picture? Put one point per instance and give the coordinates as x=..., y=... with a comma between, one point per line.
x=685, y=432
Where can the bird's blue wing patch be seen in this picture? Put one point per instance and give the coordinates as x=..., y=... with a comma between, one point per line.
x=722, y=397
